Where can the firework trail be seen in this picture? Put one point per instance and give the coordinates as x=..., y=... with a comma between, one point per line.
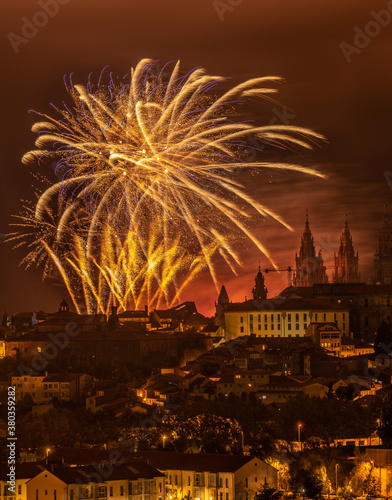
x=147, y=198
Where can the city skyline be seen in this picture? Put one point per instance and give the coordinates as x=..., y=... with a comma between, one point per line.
x=340, y=94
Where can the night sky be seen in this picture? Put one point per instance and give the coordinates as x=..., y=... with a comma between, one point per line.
x=343, y=94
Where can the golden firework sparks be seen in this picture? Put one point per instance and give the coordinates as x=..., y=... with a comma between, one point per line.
x=146, y=198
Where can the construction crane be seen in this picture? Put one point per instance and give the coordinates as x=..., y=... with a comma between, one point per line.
x=289, y=270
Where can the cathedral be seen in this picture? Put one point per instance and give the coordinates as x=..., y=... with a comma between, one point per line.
x=309, y=267
x=346, y=261
x=383, y=255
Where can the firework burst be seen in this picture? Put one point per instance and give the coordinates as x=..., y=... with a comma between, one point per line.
x=147, y=198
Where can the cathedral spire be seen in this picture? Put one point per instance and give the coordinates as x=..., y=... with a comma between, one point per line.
x=309, y=267
x=346, y=261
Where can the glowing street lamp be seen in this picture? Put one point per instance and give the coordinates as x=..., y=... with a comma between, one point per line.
x=299, y=435
x=163, y=441
x=47, y=451
x=336, y=478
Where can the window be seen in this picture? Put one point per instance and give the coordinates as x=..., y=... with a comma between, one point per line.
x=344, y=316
x=296, y=317
x=19, y=489
x=175, y=479
x=46, y=492
x=272, y=326
x=251, y=318
x=272, y=318
x=241, y=319
x=278, y=317
x=36, y=494
x=344, y=326
x=111, y=491
x=220, y=482
x=278, y=326
x=289, y=326
x=101, y=492
x=297, y=326
x=334, y=317
x=325, y=317
x=259, y=327
x=246, y=482
x=242, y=329
x=227, y=496
x=220, y=495
x=259, y=318
x=71, y=494
x=255, y=479
x=305, y=317
x=227, y=483
x=305, y=326
x=315, y=316
x=54, y=494
x=189, y=480
x=289, y=317
x=265, y=318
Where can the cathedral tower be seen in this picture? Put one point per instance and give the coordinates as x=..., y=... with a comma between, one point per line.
x=259, y=290
x=383, y=255
x=309, y=267
x=346, y=261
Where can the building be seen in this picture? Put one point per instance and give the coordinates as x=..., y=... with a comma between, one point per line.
x=346, y=261
x=42, y=389
x=354, y=347
x=125, y=480
x=309, y=267
x=368, y=305
x=212, y=476
x=383, y=255
x=200, y=475
x=326, y=335
x=282, y=317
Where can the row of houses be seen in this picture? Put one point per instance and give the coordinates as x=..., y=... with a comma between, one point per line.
x=91, y=474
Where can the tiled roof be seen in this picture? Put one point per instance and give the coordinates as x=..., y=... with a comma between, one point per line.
x=119, y=471
x=25, y=470
x=199, y=462
x=284, y=304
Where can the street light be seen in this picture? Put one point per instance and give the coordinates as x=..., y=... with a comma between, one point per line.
x=163, y=440
x=299, y=436
x=336, y=479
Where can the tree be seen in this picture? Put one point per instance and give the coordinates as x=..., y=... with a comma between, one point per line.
x=385, y=429
x=306, y=483
x=267, y=493
x=383, y=340
x=371, y=486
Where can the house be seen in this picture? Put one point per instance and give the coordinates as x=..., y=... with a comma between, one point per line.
x=42, y=389
x=103, y=480
x=200, y=475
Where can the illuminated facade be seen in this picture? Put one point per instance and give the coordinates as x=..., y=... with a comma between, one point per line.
x=287, y=317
